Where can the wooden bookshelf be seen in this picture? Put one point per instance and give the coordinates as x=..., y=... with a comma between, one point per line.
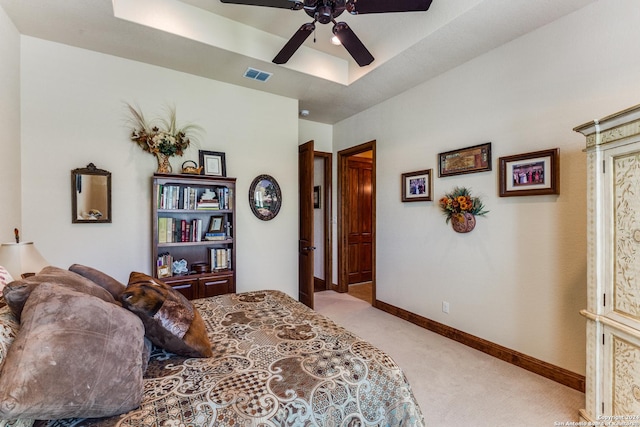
x=193, y=219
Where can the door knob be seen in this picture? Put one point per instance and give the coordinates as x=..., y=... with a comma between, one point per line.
x=309, y=248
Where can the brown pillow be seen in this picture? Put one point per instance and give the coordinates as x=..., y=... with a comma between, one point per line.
x=17, y=292
x=75, y=355
x=170, y=320
x=114, y=287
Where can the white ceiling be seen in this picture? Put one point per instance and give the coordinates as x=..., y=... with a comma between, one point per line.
x=219, y=41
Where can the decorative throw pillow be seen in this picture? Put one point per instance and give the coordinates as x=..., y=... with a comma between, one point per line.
x=17, y=292
x=170, y=320
x=75, y=355
x=9, y=327
x=5, y=278
x=114, y=287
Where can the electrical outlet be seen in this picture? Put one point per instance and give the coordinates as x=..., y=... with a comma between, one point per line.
x=445, y=307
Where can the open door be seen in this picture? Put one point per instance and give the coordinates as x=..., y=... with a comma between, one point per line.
x=305, y=234
x=360, y=258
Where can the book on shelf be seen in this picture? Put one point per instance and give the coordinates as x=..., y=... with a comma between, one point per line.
x=162, y=230
x=215, y=236
x=172, y=230
x=220, y=259
x=189, y=197
x=197, y=230
x=170, y=196
x=166, y=227
x=213, y=206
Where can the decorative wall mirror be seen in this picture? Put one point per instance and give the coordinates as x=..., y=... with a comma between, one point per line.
x=90, y=195
x=265, y=197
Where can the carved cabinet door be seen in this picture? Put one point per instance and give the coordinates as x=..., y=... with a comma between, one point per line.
x=621, y=345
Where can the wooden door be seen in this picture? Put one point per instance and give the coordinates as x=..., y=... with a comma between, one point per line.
x=360, y=219
x=305, y=234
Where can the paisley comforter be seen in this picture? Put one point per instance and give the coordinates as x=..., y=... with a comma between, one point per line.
x=276, y=363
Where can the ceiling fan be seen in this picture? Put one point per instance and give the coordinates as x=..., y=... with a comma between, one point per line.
x=325, y=11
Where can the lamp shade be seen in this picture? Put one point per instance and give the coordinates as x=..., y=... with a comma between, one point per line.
x=21, y=258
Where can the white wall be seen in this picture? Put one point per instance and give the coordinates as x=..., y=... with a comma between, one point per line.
x=10, y=125
x=519, y=279
x=74, y=114
x=320, y=133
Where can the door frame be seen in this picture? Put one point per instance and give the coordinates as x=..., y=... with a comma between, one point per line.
x=342, y=197
x=305, y=223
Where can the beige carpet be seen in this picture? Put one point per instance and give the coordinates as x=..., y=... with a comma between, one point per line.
x=456, y=385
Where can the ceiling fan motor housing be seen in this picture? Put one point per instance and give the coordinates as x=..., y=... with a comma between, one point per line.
x=324, y=11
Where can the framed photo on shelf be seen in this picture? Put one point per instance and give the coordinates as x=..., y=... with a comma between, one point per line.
x=465, y=160
x=213, y=163
x=316, y=197
x=416, y=186
x=530, y=174
x=216, y=224
x=164, y=271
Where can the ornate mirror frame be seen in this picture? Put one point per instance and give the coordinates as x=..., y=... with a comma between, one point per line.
x=90, y=195
x=265, y=197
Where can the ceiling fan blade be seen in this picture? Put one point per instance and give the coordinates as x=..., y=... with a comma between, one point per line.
x=384, y=6
x=352, y=43
x=294, y=43
x=283, y=4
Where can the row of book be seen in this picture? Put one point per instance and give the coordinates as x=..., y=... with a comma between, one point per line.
x=220, y=259
x=171, y=230
x=194, y=198
x=218, y=198
x=174, y=230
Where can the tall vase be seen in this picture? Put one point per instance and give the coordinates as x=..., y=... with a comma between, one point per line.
x=463, y=222
x=163, y=163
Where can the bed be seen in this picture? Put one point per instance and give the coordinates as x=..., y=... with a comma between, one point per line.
x=275, y=362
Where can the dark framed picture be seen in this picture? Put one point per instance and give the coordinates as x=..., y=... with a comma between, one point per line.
x=216, y=224
x=416, y=186
x=316, y=197
x=213, y=163
x=265, y=197
x=530, y=174
x=465, y=160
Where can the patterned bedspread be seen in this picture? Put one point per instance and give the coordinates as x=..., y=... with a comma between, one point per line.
x=275, y=363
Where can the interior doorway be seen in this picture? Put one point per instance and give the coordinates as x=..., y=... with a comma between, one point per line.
x=356, y=221
x=323, y=235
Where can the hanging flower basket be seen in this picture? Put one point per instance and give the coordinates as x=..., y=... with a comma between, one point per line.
x=463, y=222
x=461, y=209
